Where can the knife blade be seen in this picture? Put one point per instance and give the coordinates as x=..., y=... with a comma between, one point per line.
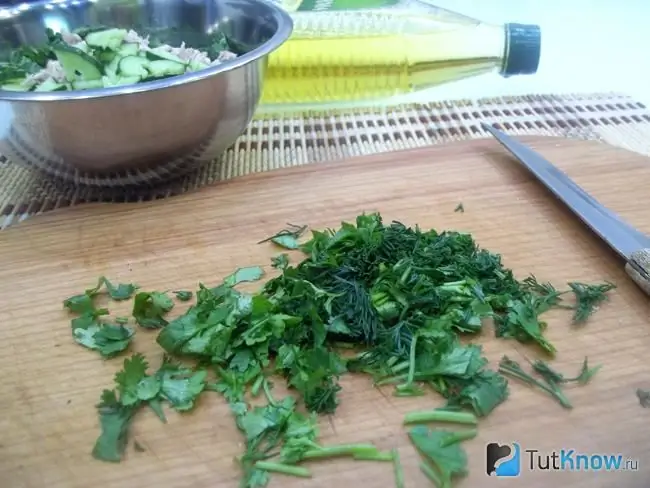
x=629, y=243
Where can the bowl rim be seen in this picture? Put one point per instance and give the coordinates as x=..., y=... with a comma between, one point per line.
x=284, y=30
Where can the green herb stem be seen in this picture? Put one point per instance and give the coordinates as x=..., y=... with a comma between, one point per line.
x=398, y=368
x=257, y=385
x=554, y=392
x=430, y=473
x=440, y=416
x=391, y=380
x=342, y=450
x=374, y=456
x=267, y=392
x=411, y=374
x=283, y=468
x=397, y=469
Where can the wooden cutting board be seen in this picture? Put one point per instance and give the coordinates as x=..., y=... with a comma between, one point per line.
x=50, y=384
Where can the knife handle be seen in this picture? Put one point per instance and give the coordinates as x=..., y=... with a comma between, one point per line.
x=638, y=268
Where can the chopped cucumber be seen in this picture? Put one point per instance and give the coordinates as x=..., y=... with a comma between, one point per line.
x=14, y=87
x=133, y=66
x=77, y=64
x=105, y=56
x=106, y=39
x=165, y=68
x=109, y=80
x=82, y=46
x=50, y=85
x=112, y=67
x=126, y=80
x=159, y=54
x=120, y=81
x=84, y=31
x=87, y=84
x=197, y=66
x=129, y=49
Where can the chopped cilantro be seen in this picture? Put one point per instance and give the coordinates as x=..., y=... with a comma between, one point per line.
x=135, y=388
x=150, y=307
x=115, y=421
x=119, y=292
x=109, y=340
x=252, y=273
x=183, y=295
x=81, y=304
x=180, y=386
x=133, y=383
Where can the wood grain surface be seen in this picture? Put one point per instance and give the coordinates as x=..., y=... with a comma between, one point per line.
x=50, y=384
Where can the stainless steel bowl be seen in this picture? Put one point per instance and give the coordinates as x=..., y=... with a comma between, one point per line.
x=147, y=132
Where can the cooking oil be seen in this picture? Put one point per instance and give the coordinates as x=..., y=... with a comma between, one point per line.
x=341, y=56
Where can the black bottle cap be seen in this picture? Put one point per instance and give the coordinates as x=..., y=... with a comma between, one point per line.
x=523, y=48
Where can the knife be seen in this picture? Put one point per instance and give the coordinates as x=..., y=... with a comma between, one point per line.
x=633, y=246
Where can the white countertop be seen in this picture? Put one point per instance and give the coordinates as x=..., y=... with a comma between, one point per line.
x=588, y=46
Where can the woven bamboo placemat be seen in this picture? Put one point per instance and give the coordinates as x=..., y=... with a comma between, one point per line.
x=291, y=140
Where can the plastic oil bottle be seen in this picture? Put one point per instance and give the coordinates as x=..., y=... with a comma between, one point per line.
x=338, y=57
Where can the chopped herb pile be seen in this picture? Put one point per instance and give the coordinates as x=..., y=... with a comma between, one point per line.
x=390, y=301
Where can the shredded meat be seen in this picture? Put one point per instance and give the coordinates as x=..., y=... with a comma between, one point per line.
x=71, y=38
x=225, y=56
x=187, y=54
x=52, y=70
x=135, y=38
